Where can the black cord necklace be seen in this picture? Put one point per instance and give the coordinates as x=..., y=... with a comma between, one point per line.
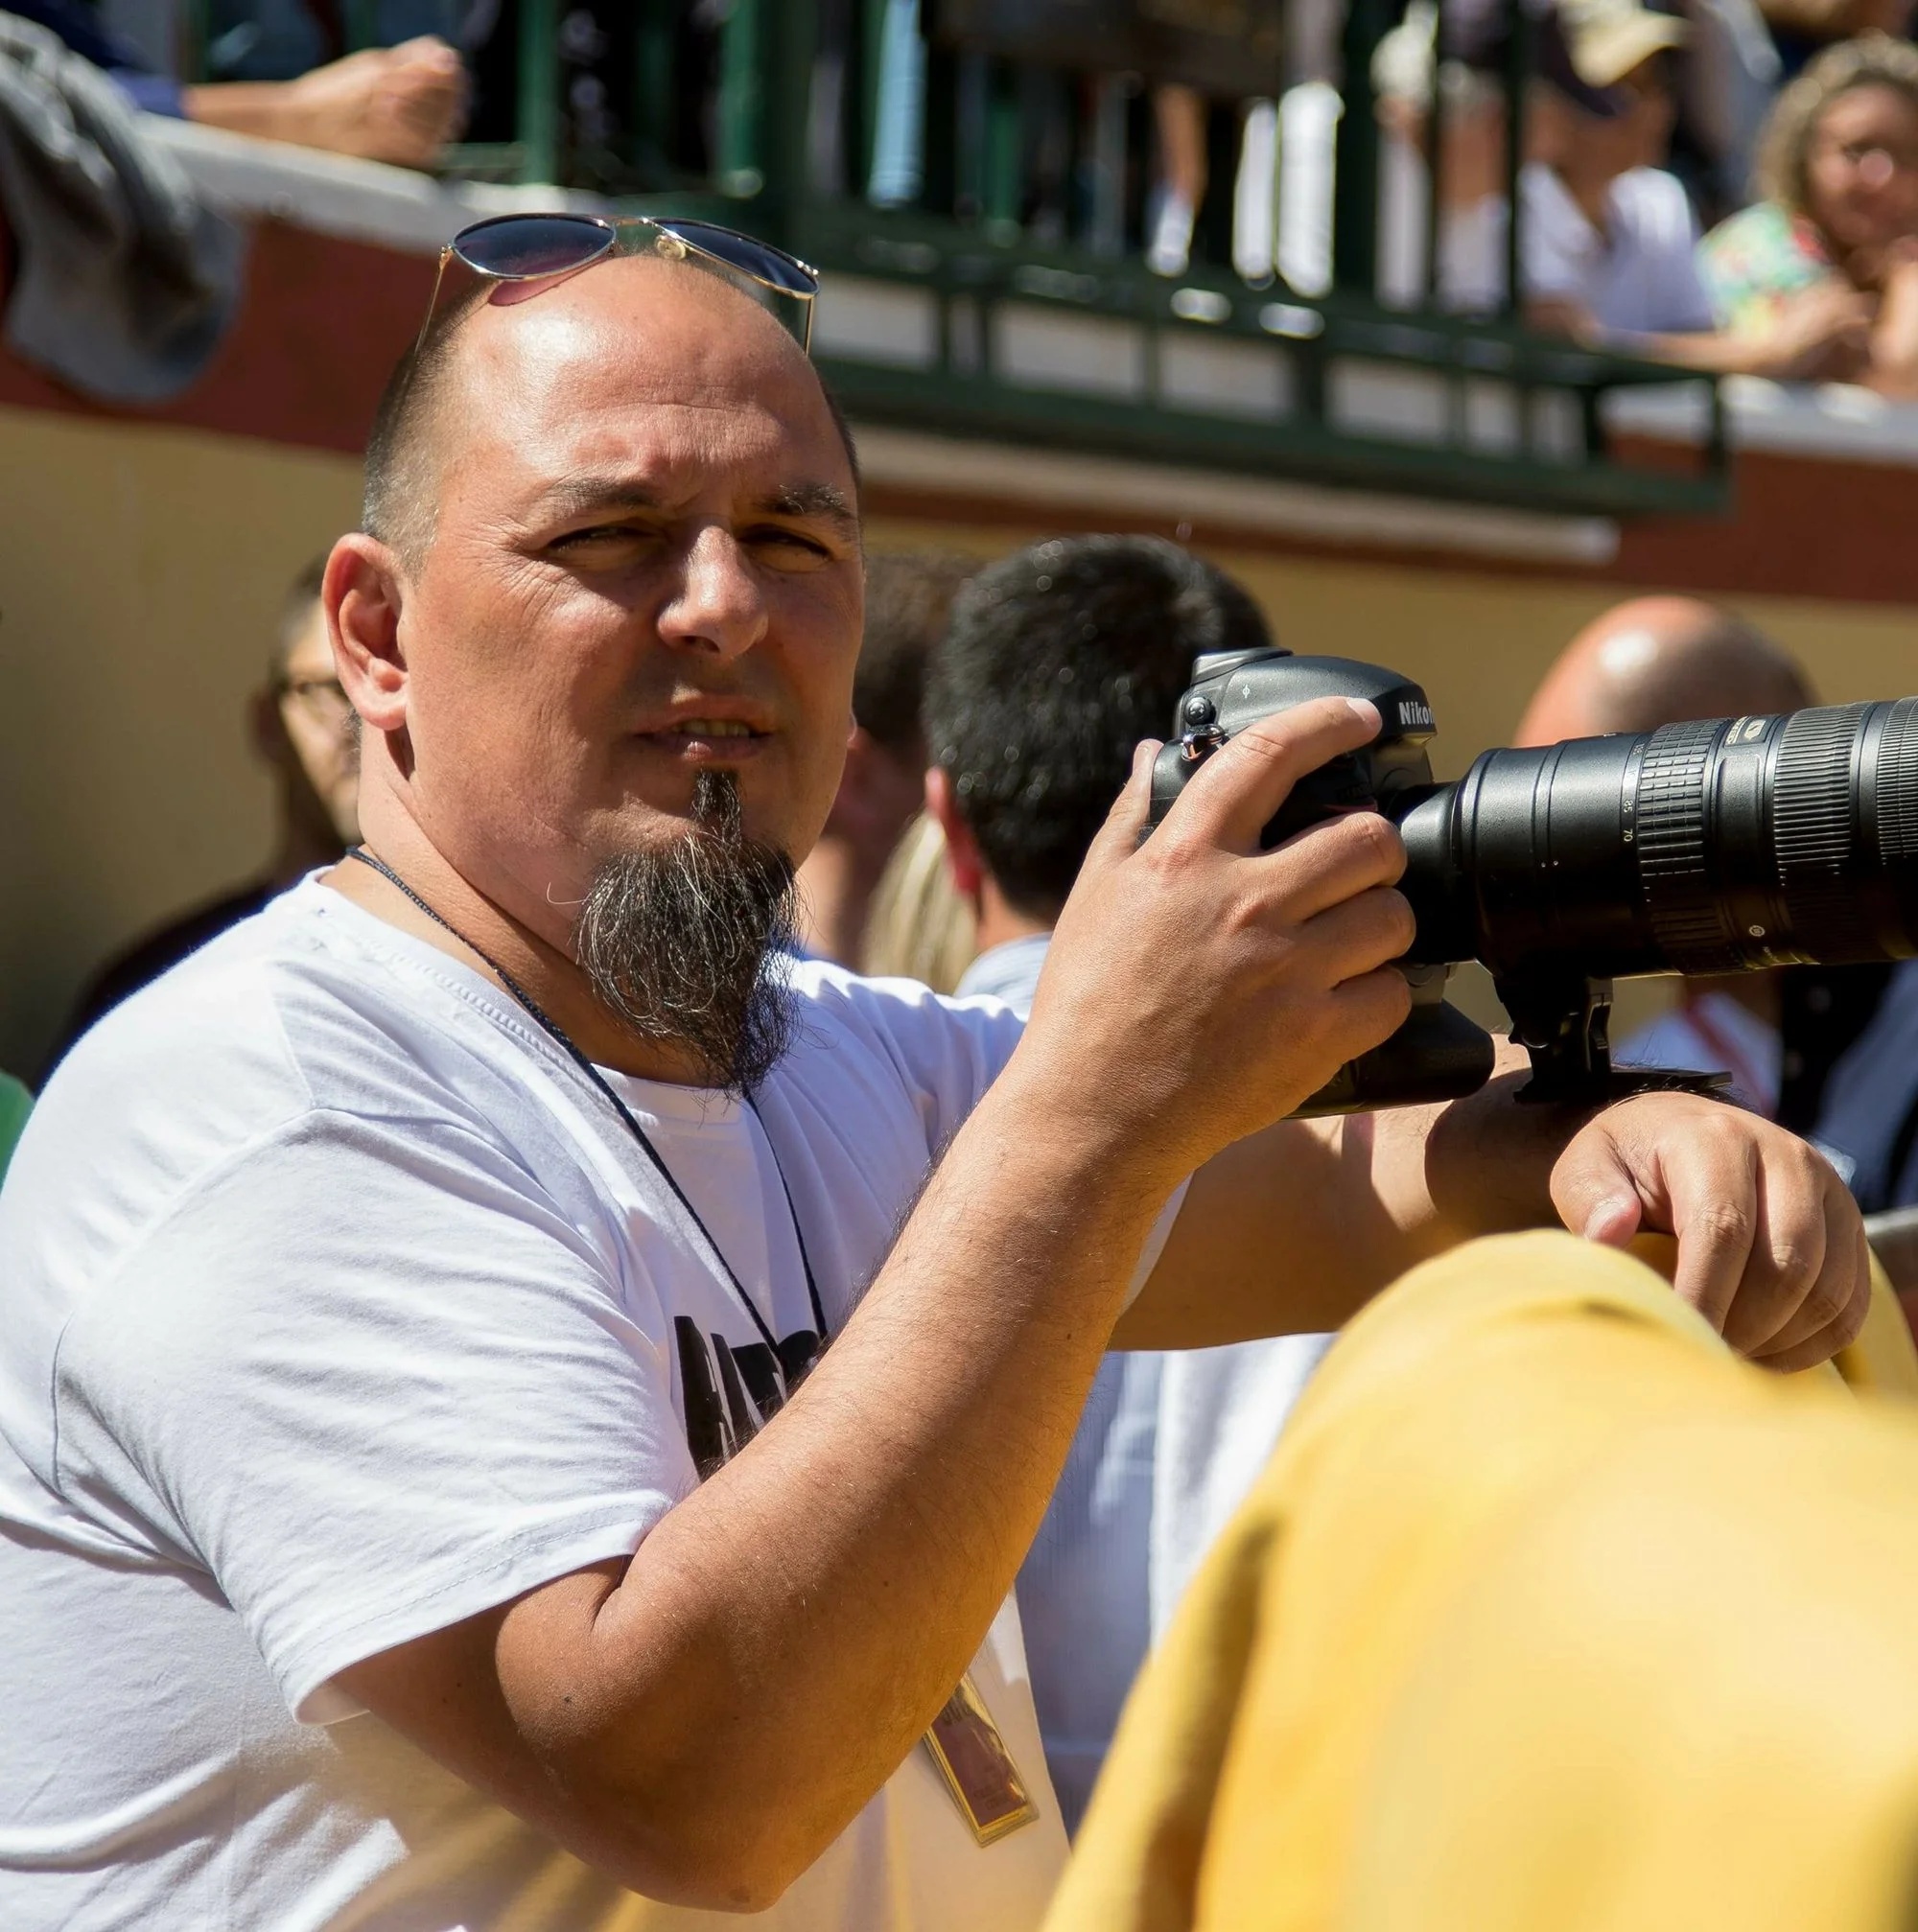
x=562, y=1040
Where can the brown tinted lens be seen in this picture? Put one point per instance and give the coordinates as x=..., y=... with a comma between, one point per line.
x=522, y=247
x=763, y=264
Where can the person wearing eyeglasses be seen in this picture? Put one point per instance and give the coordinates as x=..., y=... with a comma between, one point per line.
x=521, y=1401
x=304, y=730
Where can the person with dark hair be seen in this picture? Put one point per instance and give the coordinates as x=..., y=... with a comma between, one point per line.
x=522, y=1402
x=304, y=730
x=1058, y=662
x=907, y=600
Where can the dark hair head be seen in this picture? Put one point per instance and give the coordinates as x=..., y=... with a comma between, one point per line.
x=908, y=602
x=1057, y=663
x=399, y=493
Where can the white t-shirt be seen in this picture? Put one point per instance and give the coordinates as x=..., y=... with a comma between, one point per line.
x=335, y=1306
x=1638, y=277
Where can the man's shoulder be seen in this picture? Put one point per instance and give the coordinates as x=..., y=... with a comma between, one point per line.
x=292, y=1012
x=159, y=950
x=839, y=998
x=1654, y=205
x=934, y=1042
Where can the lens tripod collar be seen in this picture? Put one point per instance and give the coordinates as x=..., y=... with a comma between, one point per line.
x=1563, y=1021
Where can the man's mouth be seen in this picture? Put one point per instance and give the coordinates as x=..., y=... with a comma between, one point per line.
x=724, y=740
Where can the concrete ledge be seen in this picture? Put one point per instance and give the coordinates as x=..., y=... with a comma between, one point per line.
x=334, y=194
x=948, y=467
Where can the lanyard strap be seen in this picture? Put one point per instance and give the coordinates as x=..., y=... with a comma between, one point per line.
x=652, y=1153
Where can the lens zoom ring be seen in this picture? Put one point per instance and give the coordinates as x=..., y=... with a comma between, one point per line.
x=1898, y=800
x=1812, y=832
x=1686, y=918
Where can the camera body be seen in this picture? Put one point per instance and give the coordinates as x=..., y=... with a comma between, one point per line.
x=1438, y=1054
x=1713, y=846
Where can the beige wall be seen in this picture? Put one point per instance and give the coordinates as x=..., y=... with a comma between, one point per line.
x=1478, y=643
x=141, y=572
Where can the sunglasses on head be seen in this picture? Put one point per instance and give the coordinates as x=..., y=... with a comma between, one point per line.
x=531, y=247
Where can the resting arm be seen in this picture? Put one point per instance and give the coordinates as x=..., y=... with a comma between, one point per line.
x=1298, y=1226
x=703, y=1721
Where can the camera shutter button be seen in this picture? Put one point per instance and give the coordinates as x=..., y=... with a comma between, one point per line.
x=1201, y=735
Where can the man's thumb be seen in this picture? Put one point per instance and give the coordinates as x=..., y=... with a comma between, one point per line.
x=1119, y=836
x=1597, y=1199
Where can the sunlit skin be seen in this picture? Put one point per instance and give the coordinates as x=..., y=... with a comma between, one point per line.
x=646, y=527
x=1861, y=175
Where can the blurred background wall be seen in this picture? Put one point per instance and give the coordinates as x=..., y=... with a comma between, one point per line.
x=141, y=573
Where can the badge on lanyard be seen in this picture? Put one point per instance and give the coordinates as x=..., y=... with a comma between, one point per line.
x=978, y=1769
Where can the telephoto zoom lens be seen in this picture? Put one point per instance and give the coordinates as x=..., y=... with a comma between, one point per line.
x=1706, y=848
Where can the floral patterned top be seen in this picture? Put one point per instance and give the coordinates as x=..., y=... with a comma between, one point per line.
x=1756, y=261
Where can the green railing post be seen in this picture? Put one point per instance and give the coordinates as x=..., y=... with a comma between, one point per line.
x=361, y=20
x=788, y=48
x=869, y=38
x=655, y=125
x=1003, y=196
x=1435, y=169
x=1355, y=171
x=1519, y=32
x=539, y=90
x=739, y=164
x=193, y=40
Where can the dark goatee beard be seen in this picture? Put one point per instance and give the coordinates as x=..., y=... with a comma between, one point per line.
x=692, y=941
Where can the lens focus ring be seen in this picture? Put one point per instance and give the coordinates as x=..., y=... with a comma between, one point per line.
x=1687, y=917
x=1897, y=791
x=1813, y=831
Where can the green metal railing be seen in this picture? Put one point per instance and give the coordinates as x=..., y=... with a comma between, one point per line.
x=956, y=308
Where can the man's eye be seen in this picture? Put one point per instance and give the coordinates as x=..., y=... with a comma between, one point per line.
x=795, y=542
x=600, y=536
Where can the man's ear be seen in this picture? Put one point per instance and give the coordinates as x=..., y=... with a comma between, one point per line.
x=968, y=870
x=361, y=594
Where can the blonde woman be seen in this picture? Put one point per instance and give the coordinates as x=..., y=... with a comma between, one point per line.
x=919, y=927
x=1837, y=228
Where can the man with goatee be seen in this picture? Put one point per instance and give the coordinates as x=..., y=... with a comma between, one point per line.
x=521, y=1403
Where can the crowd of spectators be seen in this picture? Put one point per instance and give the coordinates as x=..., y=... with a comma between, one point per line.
x=1777, y=244
x=1727, y=184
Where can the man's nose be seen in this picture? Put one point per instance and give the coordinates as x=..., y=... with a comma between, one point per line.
x=716, y=606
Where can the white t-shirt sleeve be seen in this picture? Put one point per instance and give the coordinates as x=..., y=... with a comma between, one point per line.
x=950, y=1051
x=369, y=1377
x=1664, y=235
x=945, y=1052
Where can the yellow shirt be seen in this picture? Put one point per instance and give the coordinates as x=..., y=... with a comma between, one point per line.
x=1463, y=1662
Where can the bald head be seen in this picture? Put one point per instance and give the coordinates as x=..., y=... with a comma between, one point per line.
x=1660, y=661
x=496, y=344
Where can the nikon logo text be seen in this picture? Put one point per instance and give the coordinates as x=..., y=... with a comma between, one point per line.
x=1412, y=714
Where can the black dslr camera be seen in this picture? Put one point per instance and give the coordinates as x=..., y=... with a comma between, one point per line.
x=1722, y=846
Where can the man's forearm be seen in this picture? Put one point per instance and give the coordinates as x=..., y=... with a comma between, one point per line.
x=1291, y=1230
x=835, y=1578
